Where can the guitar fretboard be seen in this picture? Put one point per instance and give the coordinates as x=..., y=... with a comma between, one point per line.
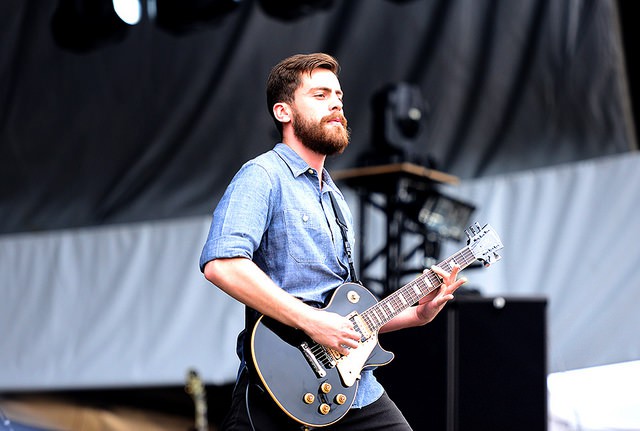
x=388, y=308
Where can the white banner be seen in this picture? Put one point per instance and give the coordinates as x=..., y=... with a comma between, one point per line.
x=126, y=305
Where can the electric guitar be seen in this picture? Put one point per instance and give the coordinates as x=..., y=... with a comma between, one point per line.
x=315, y=385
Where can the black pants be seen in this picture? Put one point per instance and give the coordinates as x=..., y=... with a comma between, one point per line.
x=252, y=409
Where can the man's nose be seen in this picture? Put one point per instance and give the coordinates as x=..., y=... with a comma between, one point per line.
x=336, y=103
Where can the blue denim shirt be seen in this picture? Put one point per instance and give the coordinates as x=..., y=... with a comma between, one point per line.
x=275, y=213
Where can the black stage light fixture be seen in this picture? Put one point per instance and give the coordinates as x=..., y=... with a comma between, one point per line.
x=290, y=10
x=180, y=17
x=399, y=111
x=83, y=25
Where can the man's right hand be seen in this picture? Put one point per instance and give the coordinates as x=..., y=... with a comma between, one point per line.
x=331, y=330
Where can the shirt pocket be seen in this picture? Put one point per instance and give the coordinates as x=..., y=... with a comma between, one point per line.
x=308, y=237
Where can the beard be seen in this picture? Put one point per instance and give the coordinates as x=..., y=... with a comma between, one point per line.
x=319, y=137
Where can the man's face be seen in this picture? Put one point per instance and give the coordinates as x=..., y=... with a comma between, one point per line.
x=318, y=120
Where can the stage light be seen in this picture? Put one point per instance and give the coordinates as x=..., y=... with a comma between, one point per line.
x=129, y=11
x=83, y=25
x=185, y=16
x=399, y=111
x=289, y=10
x=441, y=215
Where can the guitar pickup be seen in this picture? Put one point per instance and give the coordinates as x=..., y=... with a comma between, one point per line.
x=360, y=326
x=312, y=360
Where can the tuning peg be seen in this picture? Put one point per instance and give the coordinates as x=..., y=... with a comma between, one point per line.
x=488, y=262
x=471, y=230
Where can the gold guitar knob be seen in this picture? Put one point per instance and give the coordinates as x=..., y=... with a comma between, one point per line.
x=324, y=408
x=309, y=398
x=341, y=399
x=325, y=387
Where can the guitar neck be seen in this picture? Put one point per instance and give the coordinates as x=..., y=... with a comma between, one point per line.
x=388, y=308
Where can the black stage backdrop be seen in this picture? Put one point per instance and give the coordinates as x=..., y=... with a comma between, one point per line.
x=153, y=125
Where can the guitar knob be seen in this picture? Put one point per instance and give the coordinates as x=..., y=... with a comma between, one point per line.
x=324, y=408
x=309, y=398
x=325, y=387
x=341, y=399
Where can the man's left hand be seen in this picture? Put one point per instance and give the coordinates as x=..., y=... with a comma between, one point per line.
x=429, y=306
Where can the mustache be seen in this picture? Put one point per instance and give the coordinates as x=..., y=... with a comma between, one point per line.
x=333, y=117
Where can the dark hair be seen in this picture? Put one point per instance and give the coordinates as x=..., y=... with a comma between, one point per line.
x=286, y=77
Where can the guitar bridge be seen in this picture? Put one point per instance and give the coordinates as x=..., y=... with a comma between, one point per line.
x=312, y=360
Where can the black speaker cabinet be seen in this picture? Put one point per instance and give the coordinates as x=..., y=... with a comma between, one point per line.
x=480, y=365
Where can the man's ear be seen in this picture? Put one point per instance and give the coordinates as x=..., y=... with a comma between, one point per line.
x=282, y=112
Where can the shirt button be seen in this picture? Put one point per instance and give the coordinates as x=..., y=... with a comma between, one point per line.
x=305, y=218
x=311, y=171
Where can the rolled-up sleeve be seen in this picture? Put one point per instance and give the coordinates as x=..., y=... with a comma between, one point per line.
x=241, y=217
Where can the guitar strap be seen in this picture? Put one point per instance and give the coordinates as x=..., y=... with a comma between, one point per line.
x=342, y=223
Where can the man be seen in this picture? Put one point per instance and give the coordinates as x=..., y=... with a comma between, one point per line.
x=275, y=245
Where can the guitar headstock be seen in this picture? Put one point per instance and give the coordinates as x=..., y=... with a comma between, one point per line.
x=483, y=243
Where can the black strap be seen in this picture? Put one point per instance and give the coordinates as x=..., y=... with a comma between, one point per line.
x=342, y=223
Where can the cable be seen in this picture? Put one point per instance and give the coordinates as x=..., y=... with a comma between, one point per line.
x=247, y=404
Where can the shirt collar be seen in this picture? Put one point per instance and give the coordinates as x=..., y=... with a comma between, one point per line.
x=297, y=165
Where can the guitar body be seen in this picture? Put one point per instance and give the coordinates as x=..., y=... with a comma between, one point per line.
x=316, y=386
x=295, y=370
